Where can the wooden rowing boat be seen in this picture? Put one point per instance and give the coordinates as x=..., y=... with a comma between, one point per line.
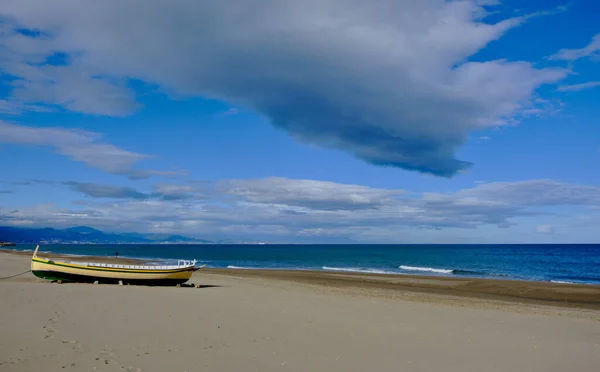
x=90, y=272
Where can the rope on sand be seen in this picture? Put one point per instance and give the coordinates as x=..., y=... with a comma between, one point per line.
x=14, y=276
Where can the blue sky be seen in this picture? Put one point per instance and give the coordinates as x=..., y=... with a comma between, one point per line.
x=335, y=121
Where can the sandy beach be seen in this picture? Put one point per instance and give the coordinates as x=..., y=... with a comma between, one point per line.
x=296, y=321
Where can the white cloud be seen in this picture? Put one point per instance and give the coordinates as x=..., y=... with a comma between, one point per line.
x=488, y=2
x=231, y=111
x=386, y=81
x=578, y=87
x=544, y=229
x=320, y=195
x=72, y=87
x=589, y=50
x=169, y=191
x=81, y=146
x=96, y=190
x=535, y=193
x=284, y=209
x=14, y=107
x=71, y=84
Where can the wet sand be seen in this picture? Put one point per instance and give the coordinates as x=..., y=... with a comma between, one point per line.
x=255, y=320
x=517, y=291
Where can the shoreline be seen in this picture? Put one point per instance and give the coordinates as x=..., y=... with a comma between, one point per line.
x=513, y=291
x=425, y=272
x=291, y=321
x=582, y=296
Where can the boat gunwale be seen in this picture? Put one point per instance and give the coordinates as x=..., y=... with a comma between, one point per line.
x=110, y=269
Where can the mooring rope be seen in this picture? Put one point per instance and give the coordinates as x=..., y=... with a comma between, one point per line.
x=14, y=276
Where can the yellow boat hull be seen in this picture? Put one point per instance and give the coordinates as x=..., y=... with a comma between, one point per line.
x=73, y=272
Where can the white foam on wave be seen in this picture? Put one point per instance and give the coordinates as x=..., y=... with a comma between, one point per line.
x=269, y=268
x=426, y=269
x=357, y=270
x=561, y=282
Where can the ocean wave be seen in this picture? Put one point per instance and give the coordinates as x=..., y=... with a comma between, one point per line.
x=242, y=267
x=494, y=274
x=449, y=271
x=473, y=272
x=577, y=279
x=357, y=270
x=284, y=268
x=426, y=269
x=561, y=282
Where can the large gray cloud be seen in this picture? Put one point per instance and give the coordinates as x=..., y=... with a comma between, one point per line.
x=387, y=81
x=282, y=209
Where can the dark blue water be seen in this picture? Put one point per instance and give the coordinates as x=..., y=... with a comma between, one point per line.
x=560, y=263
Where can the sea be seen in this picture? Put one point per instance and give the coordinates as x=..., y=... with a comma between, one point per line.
x=572, y=263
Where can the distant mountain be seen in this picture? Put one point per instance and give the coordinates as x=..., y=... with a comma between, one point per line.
x=88, y=235
x=174, y=238
x=83, y=230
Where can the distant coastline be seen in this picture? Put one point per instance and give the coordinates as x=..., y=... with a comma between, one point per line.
x=89, y=235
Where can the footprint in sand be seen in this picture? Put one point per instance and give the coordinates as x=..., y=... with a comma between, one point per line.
x=132, y=369
x=108, y=357
x=50, y=330
x=77, y=346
